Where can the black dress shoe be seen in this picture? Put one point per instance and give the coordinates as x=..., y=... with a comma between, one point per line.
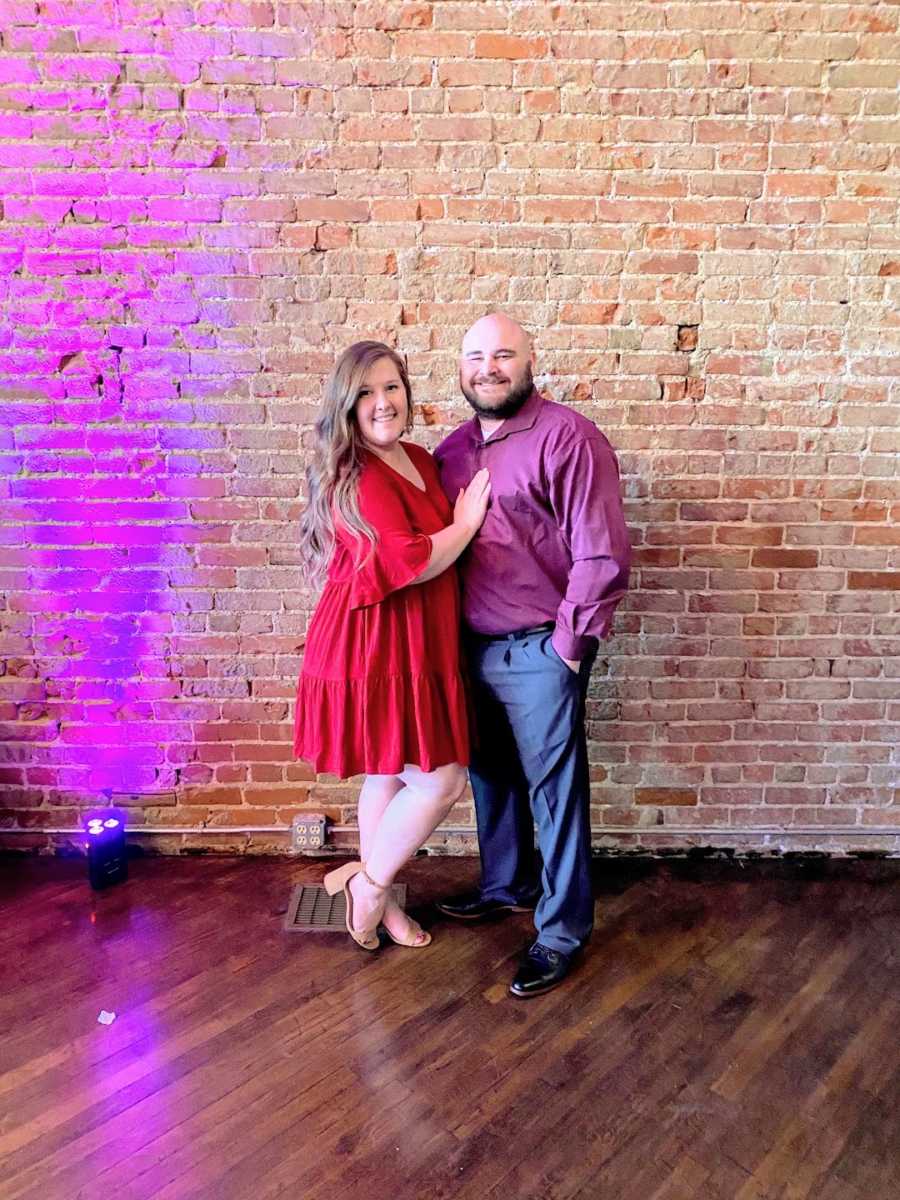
x=471, y=907
x=541, y=970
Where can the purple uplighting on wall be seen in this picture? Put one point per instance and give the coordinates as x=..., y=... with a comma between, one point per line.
x=127, y=282
x=100, y=525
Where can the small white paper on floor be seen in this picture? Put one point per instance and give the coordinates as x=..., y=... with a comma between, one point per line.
x=106, y=1018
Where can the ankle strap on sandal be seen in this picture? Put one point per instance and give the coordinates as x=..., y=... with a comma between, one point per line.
x=382, y=887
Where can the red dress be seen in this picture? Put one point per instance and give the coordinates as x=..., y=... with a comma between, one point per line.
x=381, y=684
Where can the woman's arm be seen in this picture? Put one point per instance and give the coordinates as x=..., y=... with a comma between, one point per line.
x=468, y=514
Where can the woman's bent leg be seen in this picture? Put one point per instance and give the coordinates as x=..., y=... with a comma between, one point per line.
x=375, y=795
x=412, y=816
x=407, y=821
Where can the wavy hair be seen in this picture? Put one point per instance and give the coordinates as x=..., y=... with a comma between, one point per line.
x=332, y=477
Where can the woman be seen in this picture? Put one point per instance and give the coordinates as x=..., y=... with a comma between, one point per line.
x=381, y=692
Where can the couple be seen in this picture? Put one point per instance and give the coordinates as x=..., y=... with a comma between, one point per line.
x=529, y=490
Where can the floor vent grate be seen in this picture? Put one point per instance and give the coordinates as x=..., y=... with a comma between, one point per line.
x=312, y=910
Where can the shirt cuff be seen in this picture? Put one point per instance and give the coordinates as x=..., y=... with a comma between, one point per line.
x=567, y=645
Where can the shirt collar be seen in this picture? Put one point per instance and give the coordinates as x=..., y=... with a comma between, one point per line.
x=523, y=419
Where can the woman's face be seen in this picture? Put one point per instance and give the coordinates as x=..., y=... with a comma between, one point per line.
x=381, y=406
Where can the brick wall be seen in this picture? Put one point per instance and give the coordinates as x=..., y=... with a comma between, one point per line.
x=694, y=208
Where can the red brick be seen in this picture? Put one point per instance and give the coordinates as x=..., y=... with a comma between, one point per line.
x=332, y=210
x=796, y=184
x=544, y=101
x=665, y=796
x=431, y=44
x=551, y=211
x=664, y=264
x=778, y=558
x=455, y=129
x=377, y=129
x=866, y=580
x=495, y=45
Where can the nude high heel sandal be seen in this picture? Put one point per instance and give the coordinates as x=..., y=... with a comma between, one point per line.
x=418, y=938
x=339, y=881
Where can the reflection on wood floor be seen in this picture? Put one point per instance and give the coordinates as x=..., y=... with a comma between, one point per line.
x=732, y=1033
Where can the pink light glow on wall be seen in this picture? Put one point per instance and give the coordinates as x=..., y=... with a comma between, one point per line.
x=128, y=153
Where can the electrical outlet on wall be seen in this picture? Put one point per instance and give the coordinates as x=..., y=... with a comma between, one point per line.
x=308, y=832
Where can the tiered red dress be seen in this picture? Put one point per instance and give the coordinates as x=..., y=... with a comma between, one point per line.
x=381, y=684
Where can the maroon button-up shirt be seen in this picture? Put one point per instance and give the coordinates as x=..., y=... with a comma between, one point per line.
x=553, y=546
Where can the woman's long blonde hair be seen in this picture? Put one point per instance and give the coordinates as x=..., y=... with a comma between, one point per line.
x=332, y=477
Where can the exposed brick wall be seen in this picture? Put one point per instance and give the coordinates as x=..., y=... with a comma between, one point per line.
x=693, y=206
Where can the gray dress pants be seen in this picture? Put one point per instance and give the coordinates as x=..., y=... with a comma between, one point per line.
x=529, y=769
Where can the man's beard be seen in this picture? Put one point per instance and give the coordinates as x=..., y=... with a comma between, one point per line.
x=508, y=407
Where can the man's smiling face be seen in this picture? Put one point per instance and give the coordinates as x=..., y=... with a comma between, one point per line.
x=495, y=367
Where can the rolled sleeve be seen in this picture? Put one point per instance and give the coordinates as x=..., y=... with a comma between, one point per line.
x=585, y=496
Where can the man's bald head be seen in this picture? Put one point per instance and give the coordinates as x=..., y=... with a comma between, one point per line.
x=497, y=327
x=495, y=366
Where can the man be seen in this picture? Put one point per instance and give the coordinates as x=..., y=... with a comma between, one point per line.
x=541, y=581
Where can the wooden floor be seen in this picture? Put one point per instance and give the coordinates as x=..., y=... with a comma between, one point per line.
x=733, y=1032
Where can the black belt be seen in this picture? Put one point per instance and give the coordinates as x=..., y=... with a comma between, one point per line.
x=515, y=636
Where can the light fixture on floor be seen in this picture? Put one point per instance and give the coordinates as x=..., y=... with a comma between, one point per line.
x=105, y=844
